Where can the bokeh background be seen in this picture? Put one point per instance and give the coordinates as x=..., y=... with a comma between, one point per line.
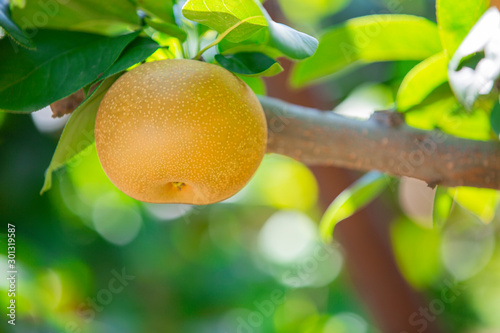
x=90, y=259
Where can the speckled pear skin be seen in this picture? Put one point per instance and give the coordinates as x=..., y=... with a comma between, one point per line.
x=180, y=131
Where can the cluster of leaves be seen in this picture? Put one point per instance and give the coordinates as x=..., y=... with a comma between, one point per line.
x=424, y=94
x=431, y=95
x=55, y=48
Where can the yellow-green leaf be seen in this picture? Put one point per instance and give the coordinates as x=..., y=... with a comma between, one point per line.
x=421, y=80
x=482, y=202
x=352, y=199
x=78, y=133
x=455, y=19
x=368, y=39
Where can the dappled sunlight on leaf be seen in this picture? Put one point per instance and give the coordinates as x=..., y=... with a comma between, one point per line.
x=417, y=252
x=481, y=202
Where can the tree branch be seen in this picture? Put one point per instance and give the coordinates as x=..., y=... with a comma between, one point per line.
x=383, y=142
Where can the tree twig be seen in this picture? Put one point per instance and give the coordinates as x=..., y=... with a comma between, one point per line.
x=383, y=142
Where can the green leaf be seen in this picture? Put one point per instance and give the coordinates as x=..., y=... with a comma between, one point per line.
x=310, y=12
x=254, y=44
x=421, y=80
x=11, y=28
x=481, y=202
x=250, y=63
x=256, y=25
x=110, y=17
x=294, y=44
x=78, y=134
x=222, y=15
x=63, y=63
x=442, y=110
x=138, y=50
x=255, y=83
x=369, y=39
x=417, y=252
x=167, y=28
x=352, y=199
x=495, y=119
x=443, y=203
x=455, y=19
x=162, y=9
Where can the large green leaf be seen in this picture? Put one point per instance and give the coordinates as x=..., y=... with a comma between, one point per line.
x=78, y=134
x=369, y=39
x=250, y=63
x=97, y=16
x=222, y=15
x=248, y=19
x=138, y=50
x=421, y=80
x=162, y=9
x=294, y=44
x=455, y=19
x=11, y=28
x=63, y=63
x=352, y=199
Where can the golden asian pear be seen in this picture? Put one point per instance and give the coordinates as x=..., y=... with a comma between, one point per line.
x=180, y=131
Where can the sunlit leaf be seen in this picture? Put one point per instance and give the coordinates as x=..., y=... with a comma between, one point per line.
x=167, y=28
x=11, y=28
x=63, y=63
x=495, y=119
x=162, y=9
x=417, y=252
x=311, y=11
x=482, y=202
x=352, y=199
x=251, y=20
x=369, y=39
x=441, y=110
x=250, y=63
x=253, y=44
x=294, y=44
x=222, y=15
x=110, y=17
x=455, y=19
x=78, y=134
x=421, y=81
x=443, y=203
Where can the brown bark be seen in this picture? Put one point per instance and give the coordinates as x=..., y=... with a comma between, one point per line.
x=383, y=142
x=67, y=105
